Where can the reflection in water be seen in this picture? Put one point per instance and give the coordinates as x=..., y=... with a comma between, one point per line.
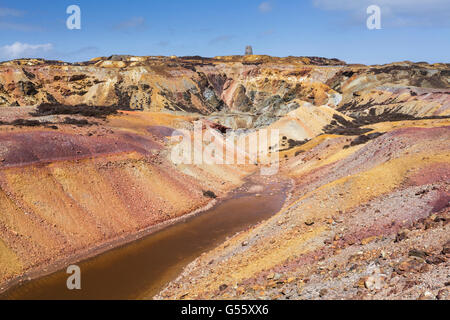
x=142, y=268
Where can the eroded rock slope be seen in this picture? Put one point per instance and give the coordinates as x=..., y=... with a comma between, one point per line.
x=367, y=147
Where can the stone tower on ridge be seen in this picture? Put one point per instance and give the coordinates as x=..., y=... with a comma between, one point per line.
x=248, y=51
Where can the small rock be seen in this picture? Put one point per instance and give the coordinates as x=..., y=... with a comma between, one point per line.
x=245, y=243
x=435, y=260
x=418, y=253
x=401, y=236
x=323, y=292
x=223, y=287
x=374, y=282
x=405, y=266
x=424, y=268
x=290, y=280
x=409, y=284
x=209, y=194
x=361, y=283
x=446, y=248
x=427, y=295
x=443, y=294
x=309, y=222
x=184, y=295
x=368, y=240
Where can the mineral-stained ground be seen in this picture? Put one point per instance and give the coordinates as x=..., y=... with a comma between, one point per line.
x=85, y=161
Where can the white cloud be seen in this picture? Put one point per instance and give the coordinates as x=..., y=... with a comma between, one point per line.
x=19, y=27
x=133, y=23
x=24, y=50
x=163, y=43
x=394, y=12
x=221, y=39
x=265, y=7
x=81, y=51
x=7, y=22
x=268, y=32
x=4, y=12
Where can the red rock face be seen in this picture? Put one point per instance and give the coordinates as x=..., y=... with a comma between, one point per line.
x=40, y=146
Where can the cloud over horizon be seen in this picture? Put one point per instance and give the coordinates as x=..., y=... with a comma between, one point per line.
x=24, y=50
x=221, y=39
x=134, y=23
x=19, y=27
x=395, y=13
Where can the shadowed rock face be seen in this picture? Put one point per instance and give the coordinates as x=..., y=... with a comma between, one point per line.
x=191, y=84
x=264, y=87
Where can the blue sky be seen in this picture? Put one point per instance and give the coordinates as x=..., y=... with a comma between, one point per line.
x=415, y=30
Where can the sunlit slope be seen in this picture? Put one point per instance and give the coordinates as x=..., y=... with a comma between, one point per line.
x=345, y=201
